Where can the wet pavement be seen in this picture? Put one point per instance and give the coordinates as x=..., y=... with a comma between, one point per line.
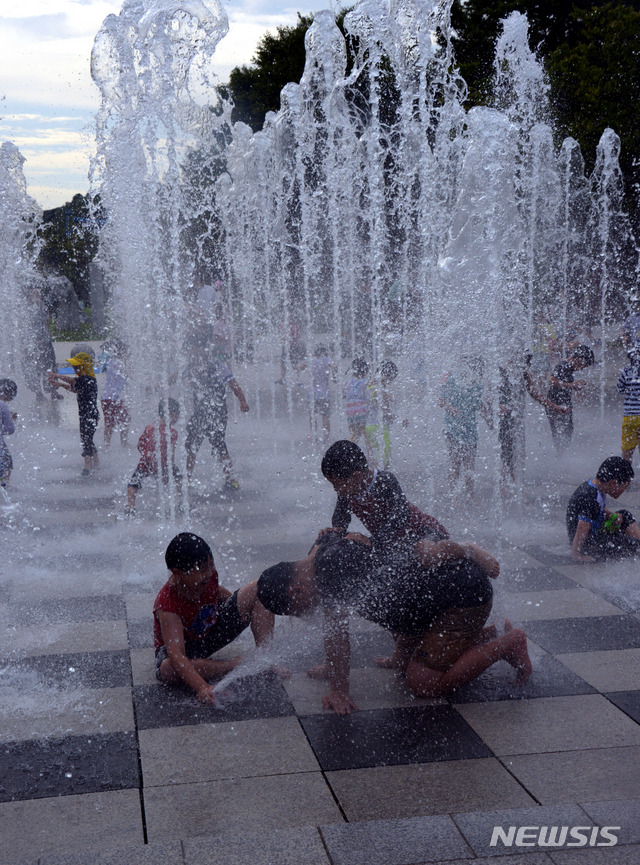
x=101, y=764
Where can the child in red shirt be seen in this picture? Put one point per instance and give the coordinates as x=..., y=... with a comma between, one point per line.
x=193, y=617
x=149, y=448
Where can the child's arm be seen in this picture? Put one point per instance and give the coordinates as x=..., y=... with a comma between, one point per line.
x=173, y=635
x=484, y=560
x=59, y=380
x=581, y=535
x=237, y=390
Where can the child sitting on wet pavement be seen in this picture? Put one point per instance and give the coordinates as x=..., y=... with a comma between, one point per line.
x=194, y=617
x=595, y=532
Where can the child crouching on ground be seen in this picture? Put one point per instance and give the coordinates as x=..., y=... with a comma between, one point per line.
x=149, y=448
x=8, y=391
x=193, y=617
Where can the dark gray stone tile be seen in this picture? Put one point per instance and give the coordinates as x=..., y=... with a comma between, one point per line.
x=395, y=842
x=390, y=737
x=534, y=580
x=586, y=634
x=56, y=611
x=549, y=678
x=628, y=701
x=552, y=560
x=68, y=766
x=86, y=669
x=173, y=706
x=477, y=828
x=140, y=633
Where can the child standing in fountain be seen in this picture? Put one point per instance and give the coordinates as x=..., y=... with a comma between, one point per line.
x=114, y=407
x=85, y=387
x=629, y=386
x=194, y=617
x=357, y=399
x=8, y=391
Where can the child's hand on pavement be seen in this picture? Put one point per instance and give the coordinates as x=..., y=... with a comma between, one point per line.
x=205, y=693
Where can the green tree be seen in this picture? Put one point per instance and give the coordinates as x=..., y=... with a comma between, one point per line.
x=279, y=59
x=69, y=241
x=595, y=78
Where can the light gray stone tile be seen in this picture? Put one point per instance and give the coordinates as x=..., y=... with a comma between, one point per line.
x=22, y=642
x=143, y=666
x=556, y=604
x=550, y=724
x=140, y=604
x=371, y=688
x=211, y=752
x=426, y=788
x=394, y=842
x=301, y=846
x=516, y=859
x=578, y=776
x=478, y=828
x=623, y=812
x=614, y=670
x=51, y=827
x=169, y=853
x=238, y=805
x=48, y=713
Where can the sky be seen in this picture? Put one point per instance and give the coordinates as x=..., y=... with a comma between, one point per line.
x=48, y=101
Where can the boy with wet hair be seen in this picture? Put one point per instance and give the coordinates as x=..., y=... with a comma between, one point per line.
x=194, y=617
x=8, y=391
x=595, y=532
x=438, y=617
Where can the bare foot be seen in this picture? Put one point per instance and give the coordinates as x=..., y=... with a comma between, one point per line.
x=518, y=655
x=319, y=672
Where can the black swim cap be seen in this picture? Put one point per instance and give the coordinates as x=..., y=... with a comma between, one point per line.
x=273, y=588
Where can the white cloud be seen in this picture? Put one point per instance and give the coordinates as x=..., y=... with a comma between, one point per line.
x=49, y=100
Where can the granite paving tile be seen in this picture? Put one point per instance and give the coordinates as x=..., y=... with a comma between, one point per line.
x=371, y=688
x=597, y=856
x=68, y=766
x=47, y=712
x=551, y=724
x=534, y=580
x=422, y=789
x=624, y=813
x=66, y=638
x=575, y=776
x=387, y=737
x=595, y=633
x=298, y=846
x=173, y=706
x=167, y=853
x=394, y=842
x=84, y=670
x=238, y=805
x=627, y=701
x=516, y=859
x=477, y=828
x=557, y=604
x=549, y=678
x=240, y=749
x=550, y=558
x=615, y=670
x=38, y=827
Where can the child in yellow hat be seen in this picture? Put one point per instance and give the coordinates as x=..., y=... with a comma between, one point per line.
x=85, y=387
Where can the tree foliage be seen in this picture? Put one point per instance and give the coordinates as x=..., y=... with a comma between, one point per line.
x=279, y=59
x=69, y=242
